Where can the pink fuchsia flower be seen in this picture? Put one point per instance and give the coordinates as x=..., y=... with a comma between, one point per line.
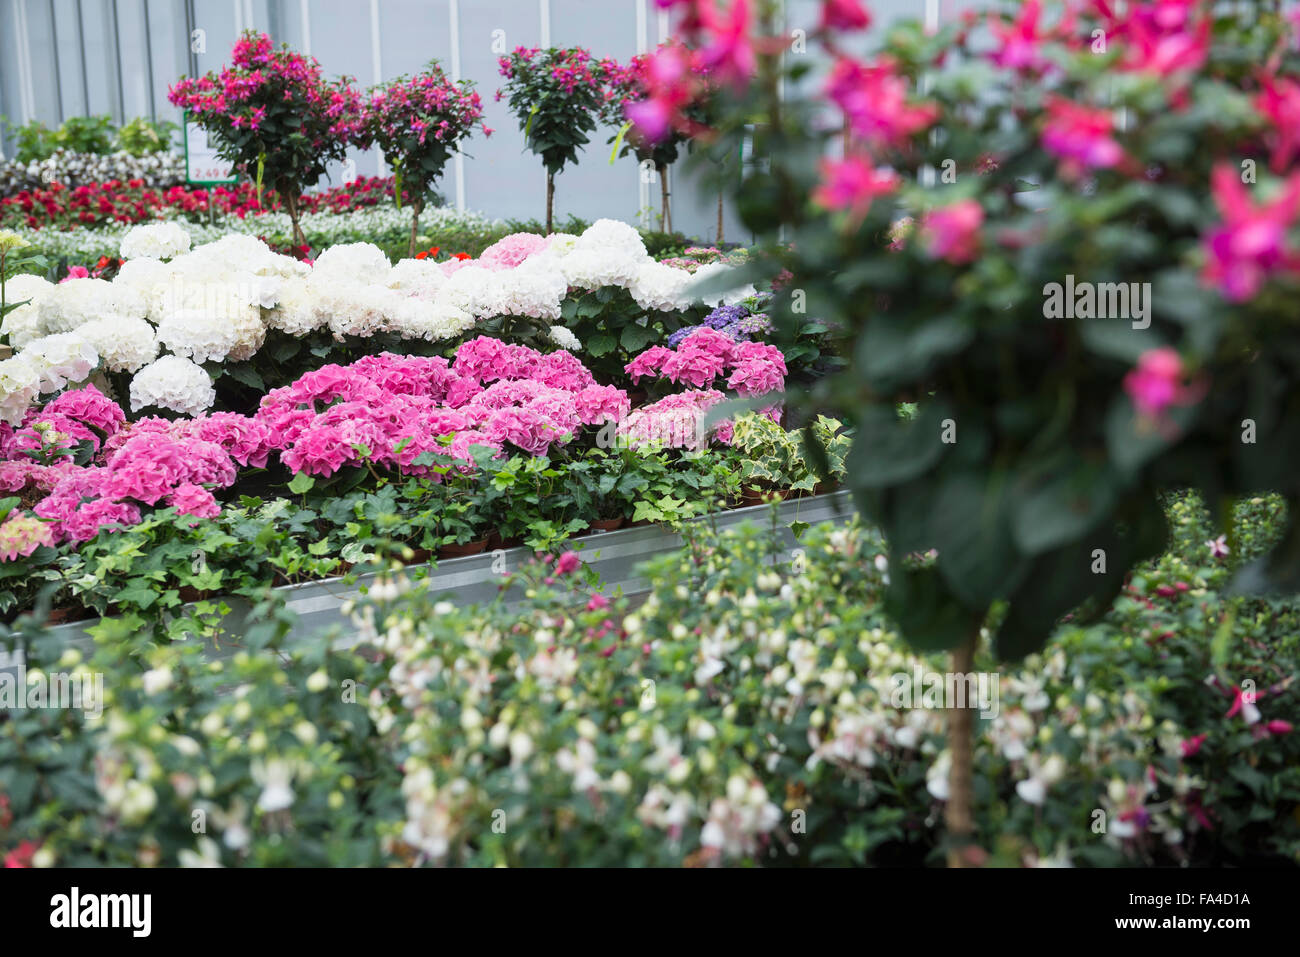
x=844, y=15
x=568, y=562
x=191, y=499
x=953, y=232
x=1279, y=727
x=729, y=53
x=1157, y=383
x=1161, y=38
x=874, y=101
x=1243, y=703
x=21, y=535
x=1279, y=102
x=853, y=184
x=1080, y=136
x=597, y=602
x=1020, y=42
x=1193, y=745
x=1250, y=243
x=1218, y=547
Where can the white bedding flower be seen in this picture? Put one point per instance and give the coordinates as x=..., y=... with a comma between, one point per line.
x=353, y=262
x=155, y=241
x=124, y=345
x=173, y=383
x=60, y=359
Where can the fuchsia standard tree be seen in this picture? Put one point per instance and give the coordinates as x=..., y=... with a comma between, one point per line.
x=655, y=129
x=556, y=95
x=418, y=122
x=1147, y=150
x=274, y=116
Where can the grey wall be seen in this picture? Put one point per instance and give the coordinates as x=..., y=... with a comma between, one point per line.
x=61, y=58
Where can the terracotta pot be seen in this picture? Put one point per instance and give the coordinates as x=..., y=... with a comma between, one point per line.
x=607, y=524
x=638, y=524
x=420, y=556
x=493, y=540
x=60, y=615
x=515, y=542
x=189, y=593
x=459, y=551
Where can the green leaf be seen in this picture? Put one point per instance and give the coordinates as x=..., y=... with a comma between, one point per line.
x=302, y=483
x=601, y=344
x=927, y=613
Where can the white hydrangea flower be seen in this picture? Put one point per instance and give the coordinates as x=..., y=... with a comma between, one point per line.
x=150, y=278
x=353, y=262
x=661, y=287
x=475, y=290
x=612, y=235
x=564, y=338
x=155, y=241
x=173, y=383
x=234, y=333
x=26, y=287
x=20, y=386
x=431, y=321
x=351, y=309
x=417, y=277
x=60, y=359
x=536, y=293
x=76, y=302
x=124, y=345
x=558, y=245
x=22, y=326
x=295, y=312
x=589, y=268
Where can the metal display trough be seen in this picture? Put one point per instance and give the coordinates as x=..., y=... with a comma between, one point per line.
x=474, y=579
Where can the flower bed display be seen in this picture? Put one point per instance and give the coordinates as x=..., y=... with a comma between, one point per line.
x=243, y=378
x=745, y=713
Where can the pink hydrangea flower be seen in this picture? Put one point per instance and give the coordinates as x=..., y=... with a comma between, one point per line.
x=22, y=534
x=191, y=499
